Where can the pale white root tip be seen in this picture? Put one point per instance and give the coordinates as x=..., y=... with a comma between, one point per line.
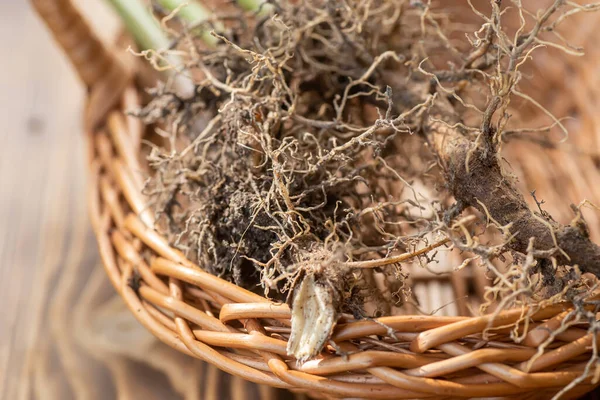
x=313, y=318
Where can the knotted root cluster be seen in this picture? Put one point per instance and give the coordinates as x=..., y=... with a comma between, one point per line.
x=325, y=139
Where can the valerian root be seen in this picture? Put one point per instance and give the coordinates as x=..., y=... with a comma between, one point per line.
x=295, y=170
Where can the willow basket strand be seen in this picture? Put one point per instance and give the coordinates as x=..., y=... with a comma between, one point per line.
x=245, y=334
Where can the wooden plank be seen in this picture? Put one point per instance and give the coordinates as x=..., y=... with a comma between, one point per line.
x=44, y=231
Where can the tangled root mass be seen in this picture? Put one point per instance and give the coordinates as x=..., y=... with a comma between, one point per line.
x=290, y=173
x=309, y=130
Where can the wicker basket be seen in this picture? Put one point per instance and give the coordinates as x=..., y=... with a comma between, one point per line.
x=245, y=335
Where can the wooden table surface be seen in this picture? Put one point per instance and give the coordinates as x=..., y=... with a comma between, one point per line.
x=46, y=243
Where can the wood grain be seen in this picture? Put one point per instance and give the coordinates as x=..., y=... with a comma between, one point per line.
x=44, y=233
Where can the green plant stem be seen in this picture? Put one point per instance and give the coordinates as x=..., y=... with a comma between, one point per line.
x=148, y=34
x=141, y=24
x=254, y=5
x=193, y=13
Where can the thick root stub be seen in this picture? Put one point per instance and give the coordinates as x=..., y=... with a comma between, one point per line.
x=314, y=314
x=484, y=186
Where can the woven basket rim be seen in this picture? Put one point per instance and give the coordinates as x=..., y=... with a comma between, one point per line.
x=122, y=234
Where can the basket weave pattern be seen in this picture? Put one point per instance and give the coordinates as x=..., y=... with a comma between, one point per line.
x=245, y=334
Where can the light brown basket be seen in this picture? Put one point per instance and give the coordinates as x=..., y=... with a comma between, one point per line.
x=245, y=334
